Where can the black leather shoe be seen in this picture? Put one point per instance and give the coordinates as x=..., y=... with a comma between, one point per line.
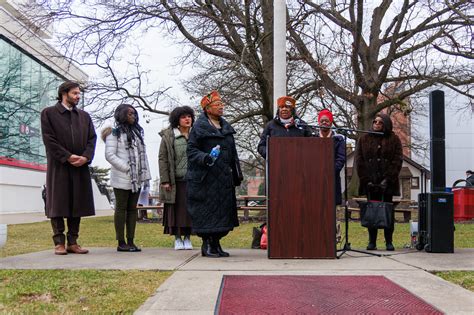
x=372, y=246
x=132, y=246
x=389, y=247
x=123, y=248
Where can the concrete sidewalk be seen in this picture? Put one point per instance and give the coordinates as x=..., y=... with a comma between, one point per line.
x=194, y=286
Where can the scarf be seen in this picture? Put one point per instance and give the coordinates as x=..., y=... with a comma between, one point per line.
x=138, y=175
x=292, y=121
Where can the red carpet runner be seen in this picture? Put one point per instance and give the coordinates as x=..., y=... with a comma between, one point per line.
x=317, y=295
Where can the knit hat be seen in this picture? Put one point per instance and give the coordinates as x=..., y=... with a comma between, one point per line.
x=326, y=112
x=286, y=100
x=211, y=98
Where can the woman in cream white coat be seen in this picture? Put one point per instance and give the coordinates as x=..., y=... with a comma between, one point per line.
x=125, y=151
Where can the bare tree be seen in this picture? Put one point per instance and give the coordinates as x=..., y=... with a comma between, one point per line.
x=99, y=35
x=356, y=52
x=343, y=55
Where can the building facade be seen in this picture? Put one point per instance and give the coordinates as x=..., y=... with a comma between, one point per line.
x=31, y=73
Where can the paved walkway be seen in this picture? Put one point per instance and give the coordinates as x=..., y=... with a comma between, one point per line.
x=194, y=286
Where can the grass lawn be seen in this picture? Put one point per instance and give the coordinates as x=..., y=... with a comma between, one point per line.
x=76, y=291
x=99, y=232
x=463, y=278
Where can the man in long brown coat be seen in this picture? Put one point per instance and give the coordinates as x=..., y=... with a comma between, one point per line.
x=69, y=138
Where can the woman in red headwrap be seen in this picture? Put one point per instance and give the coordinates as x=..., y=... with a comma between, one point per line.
x=285, y=124
x=325, y=121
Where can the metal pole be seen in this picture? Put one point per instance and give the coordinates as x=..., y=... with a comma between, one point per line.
x=279, y=51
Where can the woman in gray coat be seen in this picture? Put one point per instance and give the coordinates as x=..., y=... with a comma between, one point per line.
x=173, y=164
x=125, y=151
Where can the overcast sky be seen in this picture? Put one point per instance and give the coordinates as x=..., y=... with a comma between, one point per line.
x=158, y=56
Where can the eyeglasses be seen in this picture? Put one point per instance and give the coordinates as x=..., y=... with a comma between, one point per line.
x=377, y=122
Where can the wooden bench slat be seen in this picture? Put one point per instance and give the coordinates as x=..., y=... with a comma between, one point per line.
x=149, y=207
x=252, y=208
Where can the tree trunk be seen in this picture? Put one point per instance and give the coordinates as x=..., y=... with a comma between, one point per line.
x=364, y=122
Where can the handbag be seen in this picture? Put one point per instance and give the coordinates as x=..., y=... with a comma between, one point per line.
x=256, y=237
x=376, y=214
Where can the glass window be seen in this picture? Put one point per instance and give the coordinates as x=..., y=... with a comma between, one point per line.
x=26, y=87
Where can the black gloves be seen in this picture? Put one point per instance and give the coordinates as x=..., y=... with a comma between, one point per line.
x=208, y=160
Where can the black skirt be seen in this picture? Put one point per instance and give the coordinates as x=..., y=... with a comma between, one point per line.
x=176, y=220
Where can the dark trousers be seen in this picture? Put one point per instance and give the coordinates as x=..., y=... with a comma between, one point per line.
x=59, y=228
x=388, y=232
x=125, y=213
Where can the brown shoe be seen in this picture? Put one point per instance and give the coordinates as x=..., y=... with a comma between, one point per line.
x=60, y=250
x=76, y=249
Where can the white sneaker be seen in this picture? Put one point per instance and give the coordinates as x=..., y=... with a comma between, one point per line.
x=187, y=244
x=178, y=244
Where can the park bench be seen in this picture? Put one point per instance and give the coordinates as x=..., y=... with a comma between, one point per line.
x=250, y=204
x=157, y=207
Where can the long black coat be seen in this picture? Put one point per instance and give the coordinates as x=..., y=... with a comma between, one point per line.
x=211, y=189
x=275, y=128
x=379, y=157
x=68, y=188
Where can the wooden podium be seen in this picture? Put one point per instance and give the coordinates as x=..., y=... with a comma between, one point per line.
x=301, y=198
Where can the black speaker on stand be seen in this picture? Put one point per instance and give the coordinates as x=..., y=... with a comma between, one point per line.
x=435, y=211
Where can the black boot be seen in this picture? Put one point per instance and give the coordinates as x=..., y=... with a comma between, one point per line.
x=220, y=252
x=372, y=239
x=207, y=250
x=388, y=234
x=133, y=247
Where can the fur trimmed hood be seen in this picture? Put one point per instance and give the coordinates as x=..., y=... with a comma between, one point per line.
x=105, y=133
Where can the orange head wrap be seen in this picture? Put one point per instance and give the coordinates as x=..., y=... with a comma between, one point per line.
x=212, y=98
x=286, y=100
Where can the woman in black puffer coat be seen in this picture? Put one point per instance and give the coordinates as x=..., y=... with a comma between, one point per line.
x=211, y=183
x=379, y=161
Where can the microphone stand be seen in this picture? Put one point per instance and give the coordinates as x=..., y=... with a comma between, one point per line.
x=347, y=244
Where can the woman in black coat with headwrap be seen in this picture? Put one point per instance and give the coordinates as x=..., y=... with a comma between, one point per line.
x=211, y=183
x=379, y=161
x=285, y=124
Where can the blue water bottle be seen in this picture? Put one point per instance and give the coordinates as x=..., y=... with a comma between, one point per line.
x=215, y=153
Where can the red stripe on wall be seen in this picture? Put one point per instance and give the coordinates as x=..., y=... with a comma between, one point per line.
x=22, y=164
